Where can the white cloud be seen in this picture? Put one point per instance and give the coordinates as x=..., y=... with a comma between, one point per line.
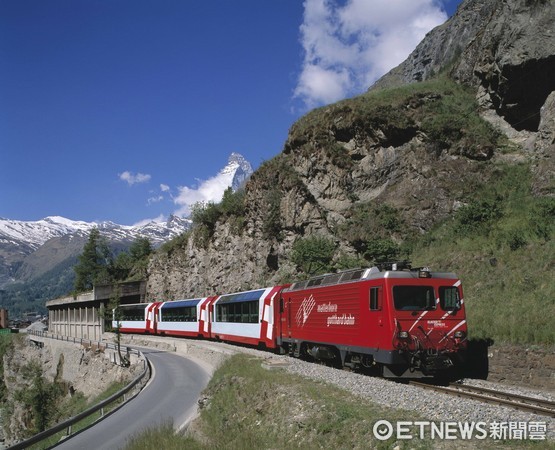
x=132, y=179
x=211, y=190
x=348, y=47
x=152, y=200
x=164, y=188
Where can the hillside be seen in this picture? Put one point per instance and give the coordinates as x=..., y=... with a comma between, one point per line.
x=431, y=165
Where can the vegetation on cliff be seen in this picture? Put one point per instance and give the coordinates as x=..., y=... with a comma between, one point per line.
x=501, y=244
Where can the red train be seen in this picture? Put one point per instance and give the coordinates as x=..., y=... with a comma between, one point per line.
x=404, y=322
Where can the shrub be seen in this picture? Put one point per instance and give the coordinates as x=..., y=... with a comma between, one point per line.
x=314, y=254
x=370, y=221
x=516, y=240
x=206, y=214
x=176, y=243
x=381, y=250
x=477, y=216
x=271, y=226
x=542, y=218
x=233, y=203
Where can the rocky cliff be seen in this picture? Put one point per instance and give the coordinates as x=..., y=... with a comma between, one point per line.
x=504, y=50
x=63, y=370
x=476, y=93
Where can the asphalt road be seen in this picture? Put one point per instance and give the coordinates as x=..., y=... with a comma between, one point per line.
x=170, y=396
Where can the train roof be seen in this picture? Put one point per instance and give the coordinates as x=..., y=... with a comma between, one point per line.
x=384, y=271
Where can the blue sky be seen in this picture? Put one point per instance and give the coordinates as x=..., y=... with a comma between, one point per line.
x=109, y=109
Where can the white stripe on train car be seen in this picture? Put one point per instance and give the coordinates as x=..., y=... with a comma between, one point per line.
x=269, y=313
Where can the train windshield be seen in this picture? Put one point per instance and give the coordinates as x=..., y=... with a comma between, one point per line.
x=414, y=298
x=449, y=298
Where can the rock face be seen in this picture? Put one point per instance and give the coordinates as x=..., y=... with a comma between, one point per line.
x=390, y=162
x=78, y=369
x=505, y=50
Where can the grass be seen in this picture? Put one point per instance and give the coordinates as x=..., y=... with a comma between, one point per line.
x=502, y=246
x=444, y=110
x=248, y=407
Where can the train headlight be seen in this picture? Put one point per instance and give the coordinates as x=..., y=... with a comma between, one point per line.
x=459, y=334
x=403, y=334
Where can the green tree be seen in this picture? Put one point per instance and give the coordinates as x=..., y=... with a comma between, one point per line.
x=40, y=396
x=314, y=254
x=381, y=250
x=94, y=263
x=133, y=263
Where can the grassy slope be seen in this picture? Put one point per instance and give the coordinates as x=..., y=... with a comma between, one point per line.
x=502, y=245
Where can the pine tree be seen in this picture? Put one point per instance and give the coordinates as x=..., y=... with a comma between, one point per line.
x=133, y=263
x=93, y=264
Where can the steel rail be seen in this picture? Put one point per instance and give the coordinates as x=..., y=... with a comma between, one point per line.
x=515, y=401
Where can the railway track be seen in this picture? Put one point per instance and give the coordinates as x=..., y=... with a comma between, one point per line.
x=516, y=401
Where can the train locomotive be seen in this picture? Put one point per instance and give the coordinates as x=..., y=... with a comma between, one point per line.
x=394, y=319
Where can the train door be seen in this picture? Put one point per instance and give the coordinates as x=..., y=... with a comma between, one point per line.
x=156, y=317
x=285, y=317
x=375, y=309
x=151, y=317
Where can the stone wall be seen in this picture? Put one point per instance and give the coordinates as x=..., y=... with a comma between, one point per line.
x=521, y=365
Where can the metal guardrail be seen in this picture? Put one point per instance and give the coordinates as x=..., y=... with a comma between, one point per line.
x=68, y=424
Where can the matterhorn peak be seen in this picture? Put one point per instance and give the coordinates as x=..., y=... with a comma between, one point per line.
x=240, y=168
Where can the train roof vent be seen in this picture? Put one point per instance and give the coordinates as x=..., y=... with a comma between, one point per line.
x=315, y=281
x=334, y=278
x=299, y=285
x=352, y=275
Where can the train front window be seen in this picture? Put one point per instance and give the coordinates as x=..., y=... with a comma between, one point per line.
x=449, y=298
x=413, y=298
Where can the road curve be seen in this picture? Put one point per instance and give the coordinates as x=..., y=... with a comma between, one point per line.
x=170, y=396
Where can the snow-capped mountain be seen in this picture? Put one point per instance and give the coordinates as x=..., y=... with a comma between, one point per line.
x=32, y=235
x=31, y=248
x=240, y=168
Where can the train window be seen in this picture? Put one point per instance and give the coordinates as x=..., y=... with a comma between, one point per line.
x=132, y=314
x=414, y=298
x=237, y=312
x=375, y=299
x=449, y=298
x=180, y=314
